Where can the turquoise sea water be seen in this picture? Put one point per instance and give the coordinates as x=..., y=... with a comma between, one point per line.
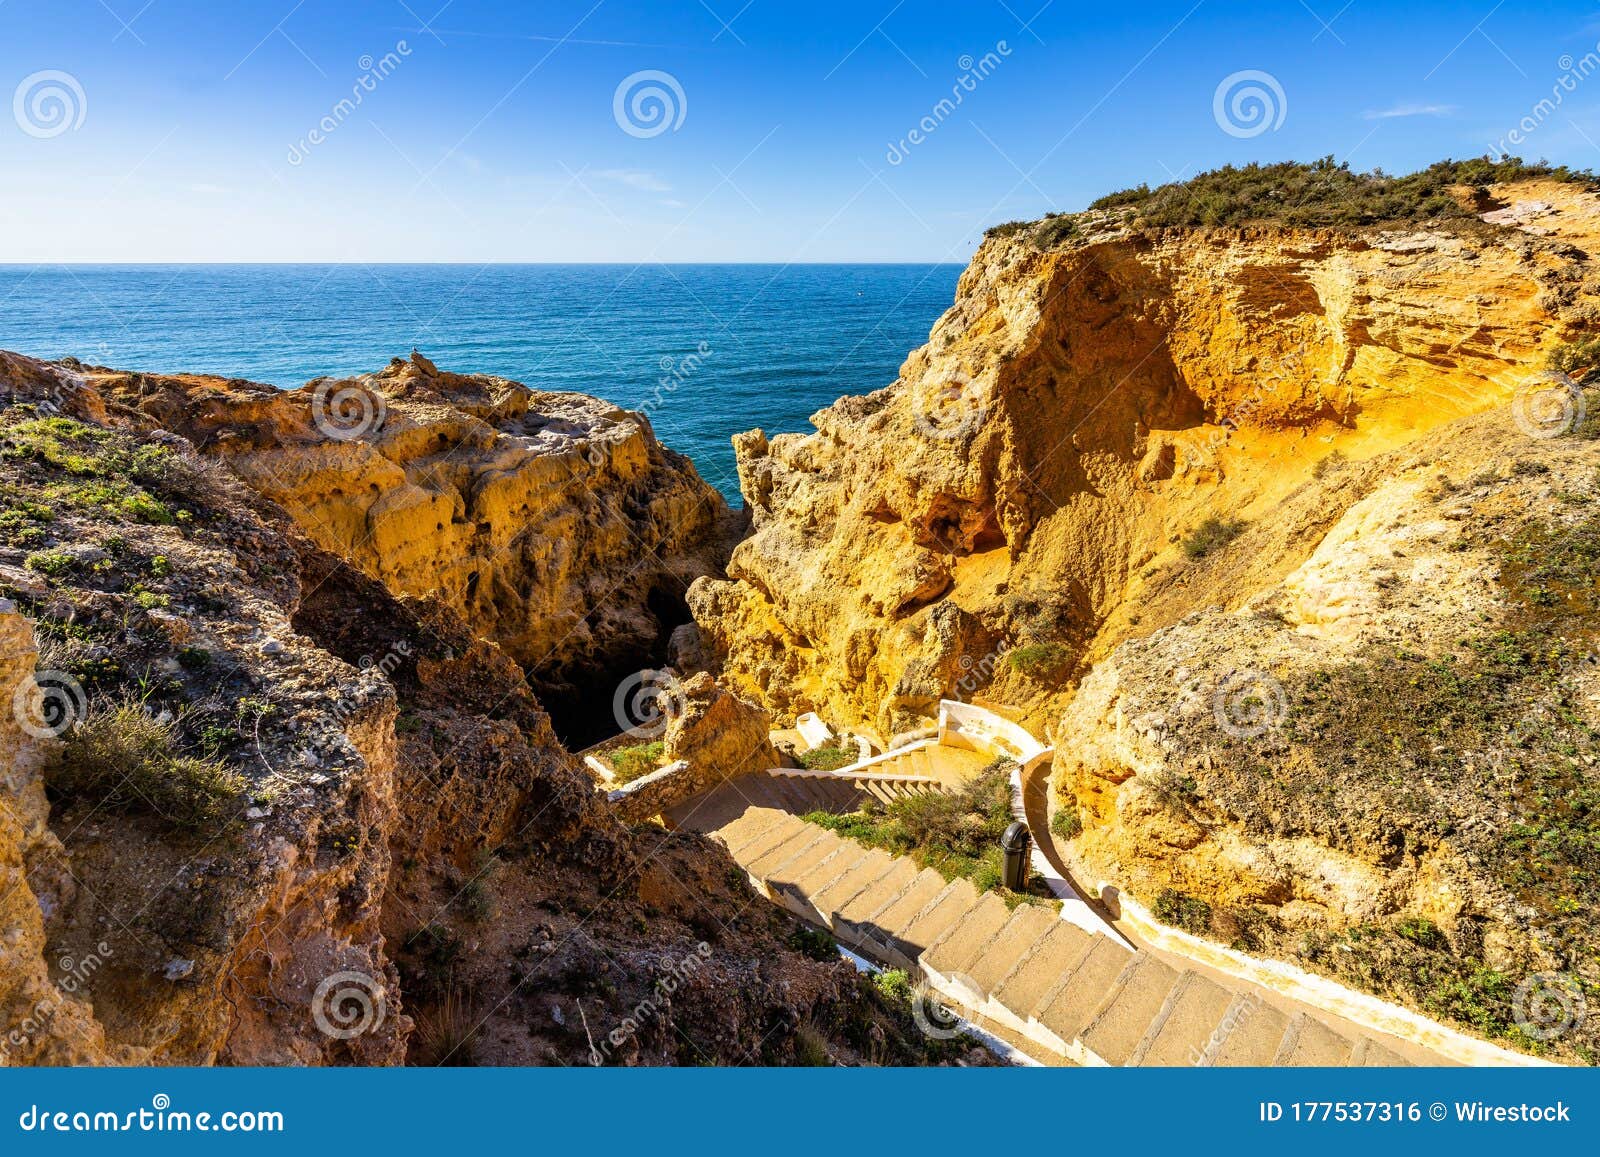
x=765, y=345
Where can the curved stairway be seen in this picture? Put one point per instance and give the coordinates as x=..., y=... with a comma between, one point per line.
x=1073, y=994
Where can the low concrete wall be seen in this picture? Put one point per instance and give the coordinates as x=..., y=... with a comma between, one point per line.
x=979, y=729
x=652, y=794
x=1279, y=976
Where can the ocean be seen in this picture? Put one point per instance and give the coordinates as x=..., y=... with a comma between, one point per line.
x=706, y=350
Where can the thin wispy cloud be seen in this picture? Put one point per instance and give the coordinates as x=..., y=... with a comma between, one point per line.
x=1411, y=110
x=635, y=179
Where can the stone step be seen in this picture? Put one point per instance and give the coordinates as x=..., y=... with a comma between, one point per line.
x=787, y=871
x=1028, y=926
x=861, y=878
x=831, y=870
x=1250, y=1034
x=1062, y=950
x=1130, y=1010
x=906, y=945
x=1189, y=1027
x=752, y=825
x=1370, y=1054
x=1309, y=1042
x=773, y=837
x=760, y=866
x=1079, y=996
x=954, y=953
x=871, y=918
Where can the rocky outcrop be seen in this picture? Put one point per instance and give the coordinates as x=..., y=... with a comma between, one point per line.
x=710, y=737
x=1380, y=766
x=163, y=592
x=273, y=811
x=43, y=1002
x=1029, y=481
x=555, y=524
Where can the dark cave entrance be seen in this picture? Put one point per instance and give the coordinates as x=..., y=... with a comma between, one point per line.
x=582, y=699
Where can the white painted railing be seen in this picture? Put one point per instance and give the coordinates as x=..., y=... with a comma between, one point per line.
x=979, y=729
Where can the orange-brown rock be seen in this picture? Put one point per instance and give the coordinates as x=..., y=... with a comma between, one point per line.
x=1030, y=478
x=555, y=524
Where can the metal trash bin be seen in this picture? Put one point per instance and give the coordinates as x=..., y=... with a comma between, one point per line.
x=1015, y=848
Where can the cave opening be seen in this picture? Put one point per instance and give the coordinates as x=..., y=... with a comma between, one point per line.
x=583, y=699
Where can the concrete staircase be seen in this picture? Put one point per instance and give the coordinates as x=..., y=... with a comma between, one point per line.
x=951, y=766
x=1072, y=993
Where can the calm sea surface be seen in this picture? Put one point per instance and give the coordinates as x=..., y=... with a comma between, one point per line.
x=766, y=345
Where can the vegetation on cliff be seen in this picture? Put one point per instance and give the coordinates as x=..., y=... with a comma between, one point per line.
x=1320, y=194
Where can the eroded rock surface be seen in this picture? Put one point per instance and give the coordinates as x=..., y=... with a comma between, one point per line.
x=1030, y=479
x=555, y=524
x=285, y=813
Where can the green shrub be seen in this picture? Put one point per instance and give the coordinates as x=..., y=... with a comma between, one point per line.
x=631, y=763
x=1040, y=660
x=1324, y=193
x=957, y=834
x=1134, y=196
x=827, y=758
x=122, y=757
x=1421, y=932
x=1573, y=356
x=1189, y=913
x=895, y=984
x=815, y=944
x=1055, y=229
x=1066, y=823
x=810, y=1047
x=54, y=563
x=1211, y=535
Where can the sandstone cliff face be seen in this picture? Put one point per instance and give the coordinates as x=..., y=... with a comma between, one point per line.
x=155, y=580
x=339, y=827
x=1076, y=413
x=553, y=523
x=1264, y=529
x=1381, y=765
x=42, y=1005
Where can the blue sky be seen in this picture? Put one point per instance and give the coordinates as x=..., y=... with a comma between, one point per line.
x=494, y=134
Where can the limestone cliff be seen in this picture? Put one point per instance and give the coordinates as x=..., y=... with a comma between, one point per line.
x=261, y=808
x=1029, y=480
x=555, y=524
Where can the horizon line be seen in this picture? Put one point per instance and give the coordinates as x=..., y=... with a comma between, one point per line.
x=361, y=264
